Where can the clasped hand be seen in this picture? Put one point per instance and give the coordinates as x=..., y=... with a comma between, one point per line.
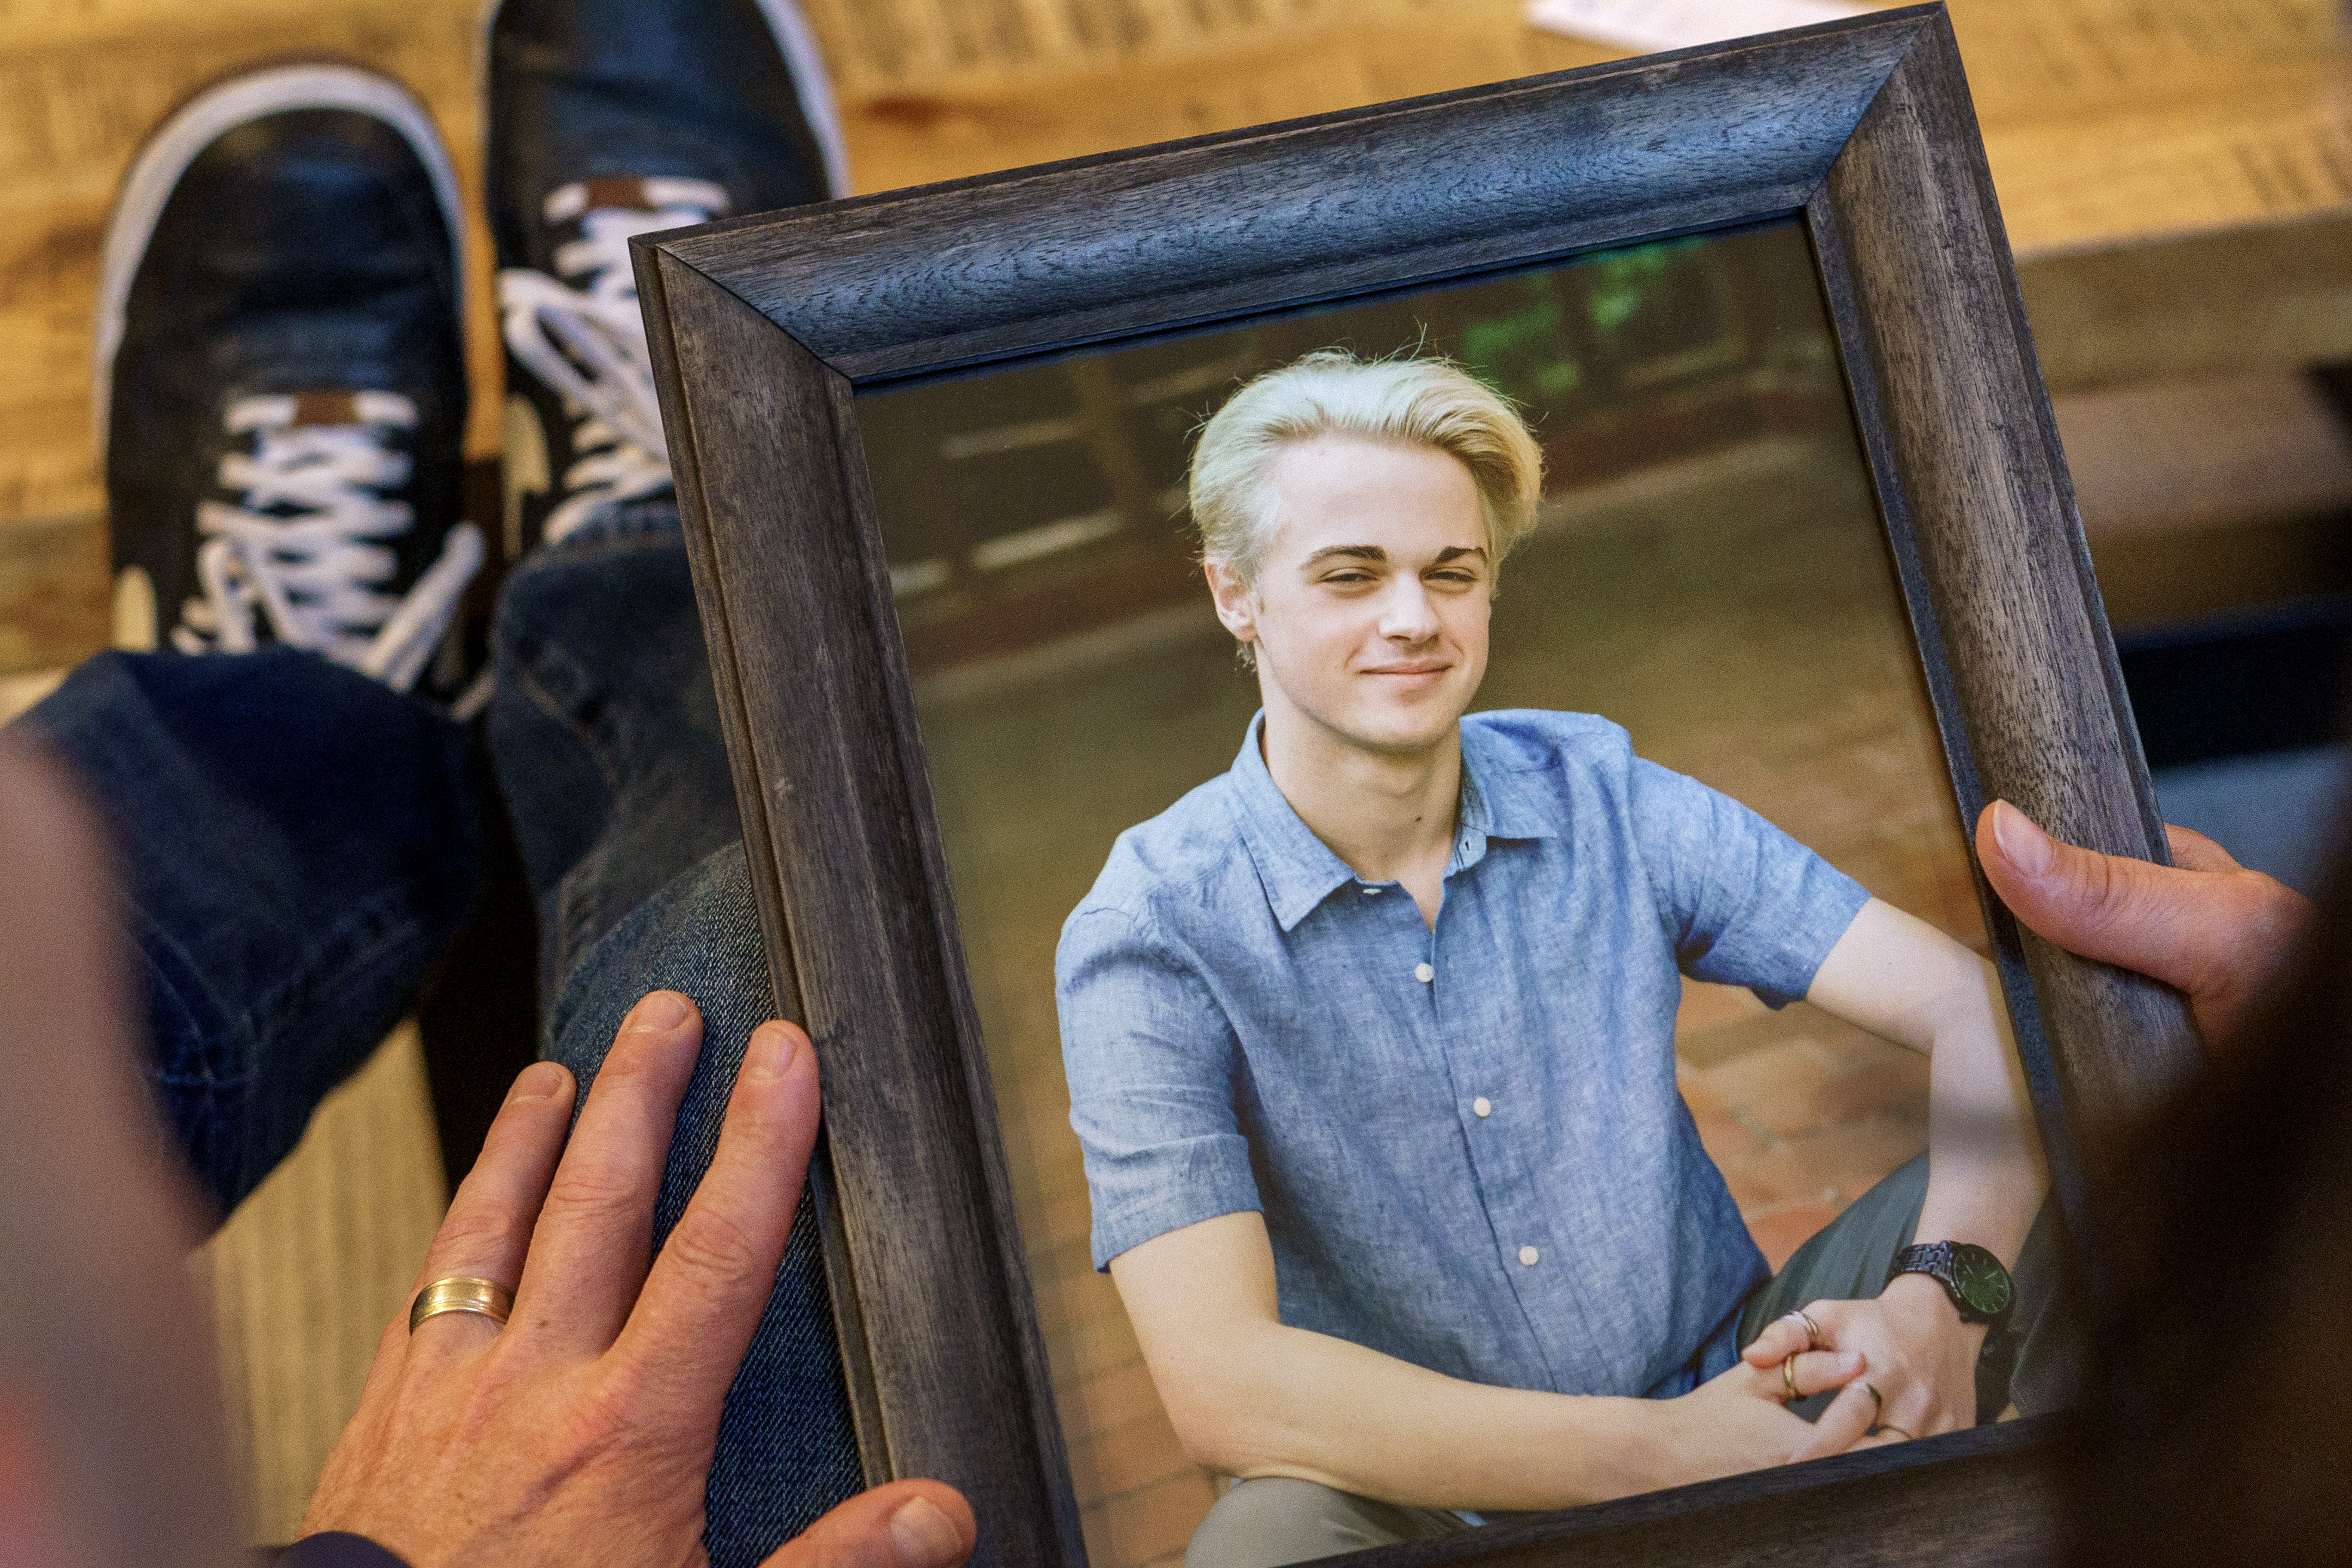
x=1909, y=1345
x=1916, y=1373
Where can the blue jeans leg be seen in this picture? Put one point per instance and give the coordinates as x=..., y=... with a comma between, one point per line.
x=297, y=844
x=605, y=732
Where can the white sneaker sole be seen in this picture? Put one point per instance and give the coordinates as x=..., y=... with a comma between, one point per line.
x=794, y=39
x=203, y=120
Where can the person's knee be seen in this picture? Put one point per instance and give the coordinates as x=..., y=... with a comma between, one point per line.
x=1265, y=1523
x=1276, y=1519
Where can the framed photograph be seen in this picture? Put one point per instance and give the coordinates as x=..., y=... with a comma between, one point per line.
x=1802, y=542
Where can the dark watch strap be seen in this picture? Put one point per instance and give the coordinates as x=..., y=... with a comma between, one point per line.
x=1956, y=1266
x=337, y=1549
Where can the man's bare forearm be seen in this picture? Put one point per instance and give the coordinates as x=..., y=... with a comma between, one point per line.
x=1902, y=978
x=1251, y=1396
x=1986, y=1174
x=1287, y=1401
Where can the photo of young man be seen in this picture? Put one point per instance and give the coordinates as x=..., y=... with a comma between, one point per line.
x=1370, y=1044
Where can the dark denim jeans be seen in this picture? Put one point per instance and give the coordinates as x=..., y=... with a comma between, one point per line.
x=300, y=843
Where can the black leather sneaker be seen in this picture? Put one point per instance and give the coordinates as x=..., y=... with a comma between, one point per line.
x=280, y=377
x=609, y=119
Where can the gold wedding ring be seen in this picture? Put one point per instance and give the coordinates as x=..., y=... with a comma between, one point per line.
x=1788, y=1374
x=462, y=1293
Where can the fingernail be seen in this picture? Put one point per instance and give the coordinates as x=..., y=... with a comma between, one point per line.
x=661, y=1012
x=2028, y=847
x=771, y=1050
x=540, y=1080
x=925, y=1536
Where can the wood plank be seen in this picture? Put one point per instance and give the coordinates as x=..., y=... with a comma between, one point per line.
x=2106, y=121
x=53, y=591
x=307, y=1272
x=898, y=47
x=948, y=129
x=2257, y=297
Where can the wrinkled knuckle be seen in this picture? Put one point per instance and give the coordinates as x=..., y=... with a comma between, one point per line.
x=624, y=1066
x=573, y=1441
x=2277, y=914
x=714, y=1247
x=476, y=1230
x=2103, y=890
x=592, y=1193
x=463, y=1407
x=627, y=1385
x=606, y=1411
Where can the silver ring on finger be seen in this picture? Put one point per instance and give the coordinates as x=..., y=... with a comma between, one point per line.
x=462, y=1293
x=1891, y=1426
x=1812, y=1329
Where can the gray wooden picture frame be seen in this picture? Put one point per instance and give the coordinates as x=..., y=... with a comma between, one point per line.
x=764, y=328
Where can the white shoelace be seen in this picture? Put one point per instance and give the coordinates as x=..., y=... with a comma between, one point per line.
x=588, y=342
x=302, y=553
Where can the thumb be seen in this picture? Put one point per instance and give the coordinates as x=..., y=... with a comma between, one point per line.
x=2165, y=923
x=906, y=1524
x=2215, y=930
x=2111, y=908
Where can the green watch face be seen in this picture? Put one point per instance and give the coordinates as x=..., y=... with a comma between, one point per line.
x=1981, y=1279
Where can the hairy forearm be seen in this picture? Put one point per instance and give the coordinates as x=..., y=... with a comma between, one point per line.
x=1277, y=1401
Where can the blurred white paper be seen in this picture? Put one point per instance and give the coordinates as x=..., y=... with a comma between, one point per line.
x=1656, y=25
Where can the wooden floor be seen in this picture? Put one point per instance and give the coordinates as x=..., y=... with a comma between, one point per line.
x=2175, y=177
x=2107, y=122
x=310, y=1269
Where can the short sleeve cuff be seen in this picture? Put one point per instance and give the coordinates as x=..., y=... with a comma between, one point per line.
x=1822, y=913
x=1202, y=1196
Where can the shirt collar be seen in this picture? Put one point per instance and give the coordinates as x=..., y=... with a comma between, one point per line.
x=1501, y=797
x=1297, y=868
x=1300, y=871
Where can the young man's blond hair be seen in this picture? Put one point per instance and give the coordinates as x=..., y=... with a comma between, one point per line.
x=1428, y=402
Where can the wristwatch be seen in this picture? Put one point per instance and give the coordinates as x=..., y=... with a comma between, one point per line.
x=1975, y=1280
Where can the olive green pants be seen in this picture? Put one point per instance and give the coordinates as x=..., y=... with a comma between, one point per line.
x=1274, y=1520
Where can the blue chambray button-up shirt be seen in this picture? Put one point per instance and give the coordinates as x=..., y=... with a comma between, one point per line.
x=1466, y=1141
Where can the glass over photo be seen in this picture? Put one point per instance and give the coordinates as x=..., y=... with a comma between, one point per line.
x=1465, y=905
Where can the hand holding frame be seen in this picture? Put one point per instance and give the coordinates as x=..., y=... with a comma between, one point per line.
x=585, y=1427
x=2205, y=924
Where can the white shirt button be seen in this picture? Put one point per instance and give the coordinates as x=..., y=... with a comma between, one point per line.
x=1528, y=1255
x=1423, y=973
x=1483, y=1106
